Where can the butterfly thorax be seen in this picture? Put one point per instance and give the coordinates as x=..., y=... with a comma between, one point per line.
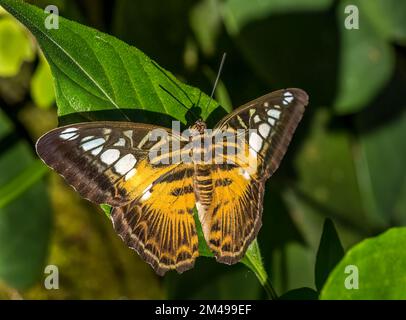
x=198, y=127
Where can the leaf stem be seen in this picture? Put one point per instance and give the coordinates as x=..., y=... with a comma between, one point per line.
x=253, y=261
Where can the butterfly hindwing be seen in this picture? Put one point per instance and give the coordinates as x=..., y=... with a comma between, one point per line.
x=231, y=216
x=159, y=224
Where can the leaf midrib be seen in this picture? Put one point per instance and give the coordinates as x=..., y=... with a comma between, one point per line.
x=81, y=68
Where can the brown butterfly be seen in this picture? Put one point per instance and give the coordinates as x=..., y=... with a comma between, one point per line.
x=153, y=198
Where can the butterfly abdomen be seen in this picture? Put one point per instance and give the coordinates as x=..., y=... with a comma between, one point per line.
x=203, y=185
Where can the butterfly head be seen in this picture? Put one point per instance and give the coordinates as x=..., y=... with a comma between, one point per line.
x=199, y=126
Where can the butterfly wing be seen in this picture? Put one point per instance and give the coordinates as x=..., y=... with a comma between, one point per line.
x=106, y=162
x=152, y=196
x=159, y=224
x=231, y=213
x=267, y=125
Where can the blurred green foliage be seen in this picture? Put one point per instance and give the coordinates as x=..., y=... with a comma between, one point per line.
x=15, y=47
x=345, y=162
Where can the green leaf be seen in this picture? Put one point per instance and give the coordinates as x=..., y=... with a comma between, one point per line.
x=380, y=263
x=15, y=47
x=388, y=16
x=106, y=209
x=25, y=213
x=300, y=294
x=364, y=55
x=94, y=71
x=42, y=89
x=381, y=155
x=329, y=254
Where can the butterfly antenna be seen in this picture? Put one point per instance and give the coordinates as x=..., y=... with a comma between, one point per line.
x=216, y=81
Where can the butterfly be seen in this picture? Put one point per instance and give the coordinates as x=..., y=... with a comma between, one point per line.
x=153, y=199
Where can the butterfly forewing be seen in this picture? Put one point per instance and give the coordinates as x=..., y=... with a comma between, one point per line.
x=106, y=162
x=269, y=123
x=153, y=199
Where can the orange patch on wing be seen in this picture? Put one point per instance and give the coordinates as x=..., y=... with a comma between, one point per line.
x=144, y=177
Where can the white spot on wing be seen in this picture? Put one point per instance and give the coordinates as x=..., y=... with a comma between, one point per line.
x=120, y=143
x=146, y=193
x=255, y=141
x=271, y=121
x=257, y=119
x=93, y=144
x=199, y=206
x=130, y=174
x=66, y=136
x=147, y=188
x=75, y=137
x=96, y=151
x=287, y=98
x=68, y=133
x=110, y=156
x=69, y=130
x=274, y=113
x=125, y=164
x=244, y=173
x=146, y=196
x=288, y=94
x=264, y=129
x=129, y=134
x=86, y=138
